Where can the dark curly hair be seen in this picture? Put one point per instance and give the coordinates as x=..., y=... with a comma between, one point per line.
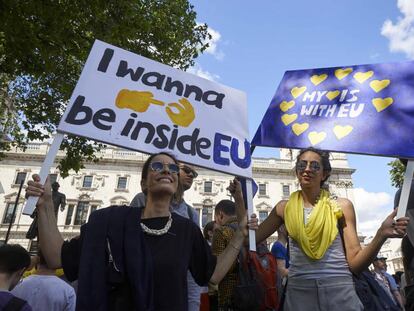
x=326, y=164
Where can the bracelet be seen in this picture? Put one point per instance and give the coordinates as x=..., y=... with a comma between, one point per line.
x=236, y=248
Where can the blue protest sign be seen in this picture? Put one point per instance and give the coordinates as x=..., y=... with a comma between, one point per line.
x=367, y=109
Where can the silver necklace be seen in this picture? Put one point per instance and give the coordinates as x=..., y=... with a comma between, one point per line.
x=157, y=231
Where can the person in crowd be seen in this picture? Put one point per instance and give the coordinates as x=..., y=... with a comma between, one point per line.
x=182, y=208
x=45, y=291
x=208, y=231
x=398, y=277
x=209, y=293
x=320, y=263
x=14, y=260
x=384, y=280
x=226, y=219
x=143, y=254
x=280, y=252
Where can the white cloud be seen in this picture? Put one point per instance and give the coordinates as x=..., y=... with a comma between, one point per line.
x=401, y=34
x=197, y=70
x=371, y=209
x=213, y=48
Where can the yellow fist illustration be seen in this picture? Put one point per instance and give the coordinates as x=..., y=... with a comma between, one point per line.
x=185, y=114
x=136, y=100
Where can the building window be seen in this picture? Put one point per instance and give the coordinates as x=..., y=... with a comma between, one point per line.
x=34, y=247
x=69, y=214
x=94, y=208
x=7, y=217
x=208, y=186
x=262, y=215
x=81, y=213
x=122, y=183
x=53, y=178
x=87, y=182
x=262, y=189
x=207, y=215
x=21, y=176
x=286, y=190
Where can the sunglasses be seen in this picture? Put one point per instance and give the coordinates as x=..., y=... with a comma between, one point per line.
x=159, y=167
x=189, y=170
x=313, y=165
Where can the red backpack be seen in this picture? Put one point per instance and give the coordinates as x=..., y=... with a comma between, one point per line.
x=256, y=289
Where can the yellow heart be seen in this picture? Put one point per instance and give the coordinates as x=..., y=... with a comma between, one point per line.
x=289, y=118
x=299, y=128
x=332, y=94
x=285, y=106
x=342, y=131
x=318, y=79
x=316, y=138
x=379, y=85
x=342, y=73
x=297, y=91
x=361, y=77
x=381, y=103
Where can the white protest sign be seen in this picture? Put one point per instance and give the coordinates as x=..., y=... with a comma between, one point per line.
x=130, y=101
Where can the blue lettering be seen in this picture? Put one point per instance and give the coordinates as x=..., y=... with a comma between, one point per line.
x=234, y=153
x=219, y=148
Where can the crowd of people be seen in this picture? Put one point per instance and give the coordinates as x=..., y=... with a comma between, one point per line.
x=153, y=255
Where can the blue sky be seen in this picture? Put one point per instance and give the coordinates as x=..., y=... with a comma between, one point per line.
x=255, y=42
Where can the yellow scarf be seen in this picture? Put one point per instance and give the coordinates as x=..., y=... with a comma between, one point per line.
x=317, y=235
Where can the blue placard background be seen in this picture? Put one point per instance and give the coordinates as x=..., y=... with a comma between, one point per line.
x=367, y=109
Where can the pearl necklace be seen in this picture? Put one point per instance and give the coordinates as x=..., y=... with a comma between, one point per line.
x=157, y=231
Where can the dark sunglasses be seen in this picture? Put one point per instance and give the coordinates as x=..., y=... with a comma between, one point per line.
x=313, y=165
x=159, y=167
x=189, y=170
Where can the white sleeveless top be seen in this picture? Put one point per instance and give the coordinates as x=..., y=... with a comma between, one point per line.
x=332, y=264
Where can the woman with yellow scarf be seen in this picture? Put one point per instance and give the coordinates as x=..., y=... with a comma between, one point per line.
x=321, y=261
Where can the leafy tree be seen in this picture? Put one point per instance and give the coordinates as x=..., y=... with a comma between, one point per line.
x=397, y=173
x=44, y=44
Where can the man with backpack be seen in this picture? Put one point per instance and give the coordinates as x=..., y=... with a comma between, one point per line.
x=225, y=217
x=14, y=260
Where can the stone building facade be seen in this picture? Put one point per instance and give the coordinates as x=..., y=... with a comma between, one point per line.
x=115, y=179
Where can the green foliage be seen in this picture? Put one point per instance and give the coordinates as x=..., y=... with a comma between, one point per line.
x=44, y=44
x=397, y=173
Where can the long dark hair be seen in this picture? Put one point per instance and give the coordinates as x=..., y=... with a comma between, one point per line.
x=326, y=164
x=144, y=174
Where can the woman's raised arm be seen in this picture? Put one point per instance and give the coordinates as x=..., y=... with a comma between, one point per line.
x=360, y=258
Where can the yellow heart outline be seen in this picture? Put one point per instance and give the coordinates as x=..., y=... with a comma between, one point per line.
x=315, y=137
x=382, y=103
x=379, y=85
x=361, y=77
x=318, y=79
x=285, y=106
x=342, y=73
x=289, y=118
x=299, y=128
x=342, y=131
x=332, y=94
x=297, y=91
